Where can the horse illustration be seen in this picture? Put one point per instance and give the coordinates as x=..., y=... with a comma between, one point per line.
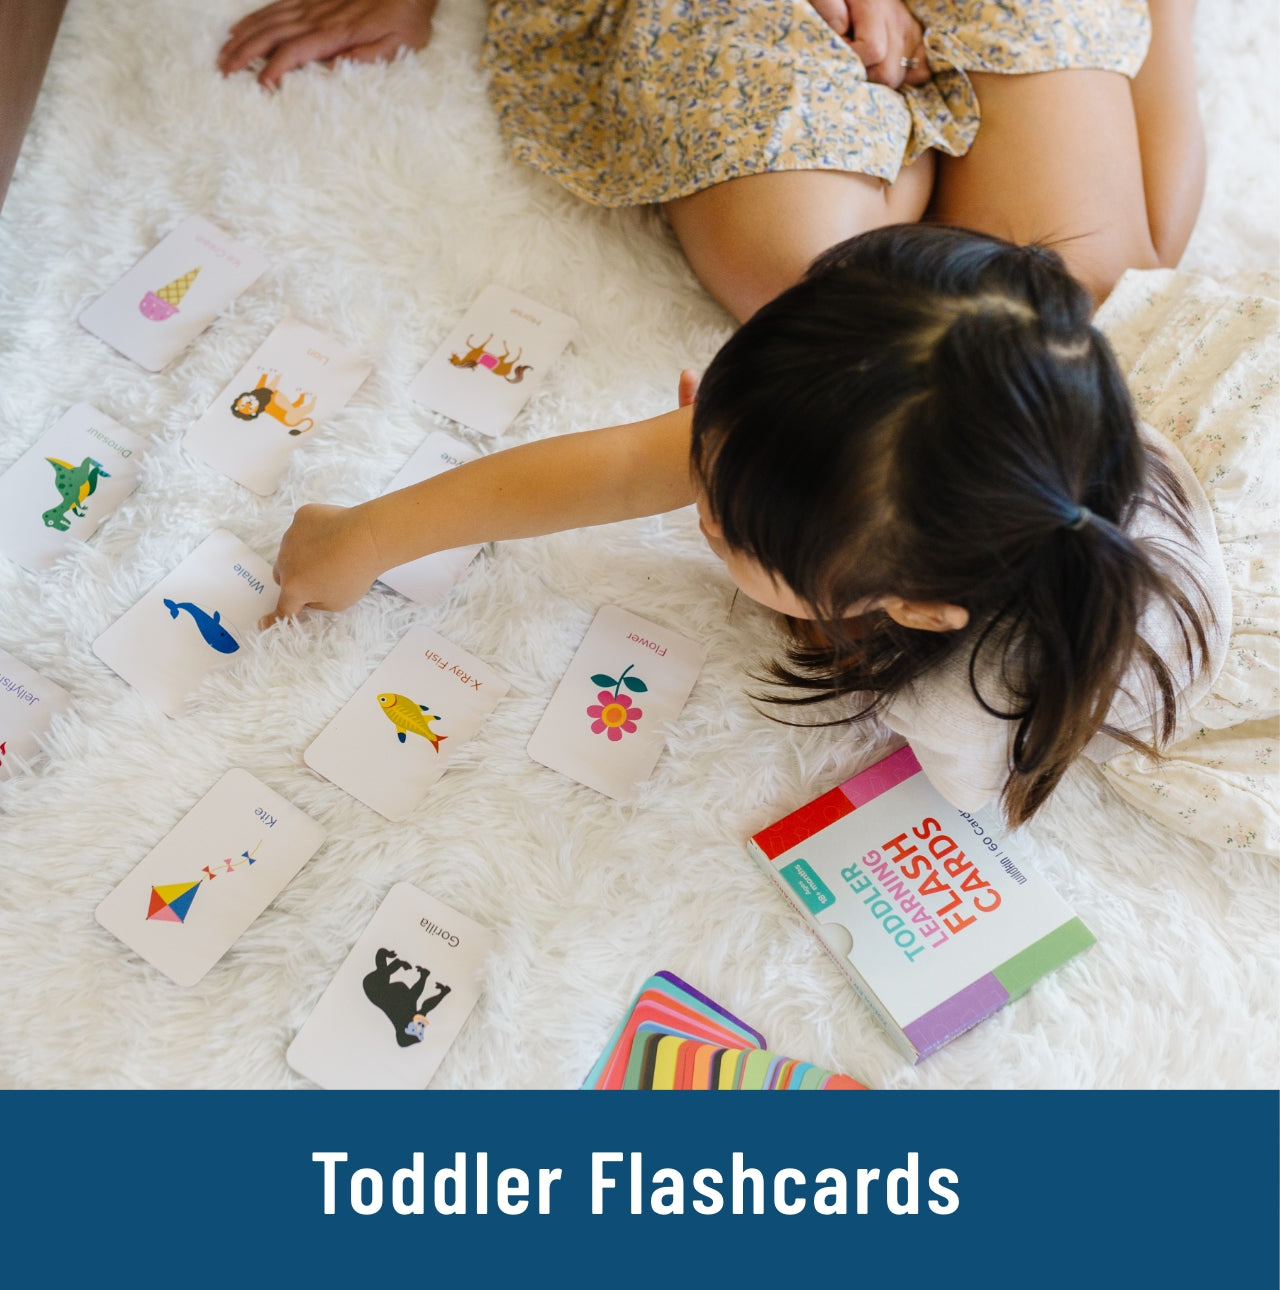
x=504, y=366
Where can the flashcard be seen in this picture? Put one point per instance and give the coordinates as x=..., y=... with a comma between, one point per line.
x=196, y=893
x=428, y=580
x=296, y=379
x=398, y=1000
x=59, y=491
x=193, y=622
x=397, y=734
x=173, y=293
x=493, y=361
x=607, y=721
x=28, y=704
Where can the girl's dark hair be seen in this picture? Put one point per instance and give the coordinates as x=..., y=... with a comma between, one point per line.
x=923, y=416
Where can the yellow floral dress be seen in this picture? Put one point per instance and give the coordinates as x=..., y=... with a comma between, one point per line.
x=627, y=102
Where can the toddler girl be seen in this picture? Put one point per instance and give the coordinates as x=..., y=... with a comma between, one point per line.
x=924, y=455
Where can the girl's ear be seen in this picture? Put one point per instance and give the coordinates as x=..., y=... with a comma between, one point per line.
x=925, y=615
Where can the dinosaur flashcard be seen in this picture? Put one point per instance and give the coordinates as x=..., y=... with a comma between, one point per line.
x=399, y=999
x=196, y=621
x=201, y=886
x=505, y=336
x=606, y=726
x=294, y=381
x=58, y=492
x=402, y=728
x=173, y=293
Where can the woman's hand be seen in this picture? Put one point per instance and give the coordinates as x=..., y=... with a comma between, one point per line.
x=290, y=33
x=328, y=559
x=884, y=35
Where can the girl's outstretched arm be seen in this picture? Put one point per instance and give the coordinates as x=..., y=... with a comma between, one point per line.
x=290, y=33
x=331, y=555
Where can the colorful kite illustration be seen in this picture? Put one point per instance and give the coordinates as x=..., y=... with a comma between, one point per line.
x=171, y=902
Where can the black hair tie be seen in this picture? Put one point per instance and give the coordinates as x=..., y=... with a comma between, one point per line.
x=1079, y=520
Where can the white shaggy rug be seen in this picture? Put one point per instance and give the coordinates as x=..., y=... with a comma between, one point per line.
x=386, y=201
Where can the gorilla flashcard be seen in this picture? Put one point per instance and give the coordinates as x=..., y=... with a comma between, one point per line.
x=491, y=364
x=201, y=887
x=296, y=379
x=58, y=492
x=173, y=293
x=398, y=1001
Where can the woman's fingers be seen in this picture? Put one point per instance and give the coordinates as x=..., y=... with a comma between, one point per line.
x=889, y=41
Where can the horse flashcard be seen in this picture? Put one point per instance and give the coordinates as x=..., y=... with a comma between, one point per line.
x=193, y=622
x=492, y=363
x=401, y=729
x=428, y=580
x=173, y=293
x=58, y=492
x=297, y=378
x=398, y=1000
x=198, y=890
x=607, y=722
x=28, y=704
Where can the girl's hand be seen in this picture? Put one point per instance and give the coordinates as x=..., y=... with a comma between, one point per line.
x=328, y=560
x=883, y=34
x=290, y=33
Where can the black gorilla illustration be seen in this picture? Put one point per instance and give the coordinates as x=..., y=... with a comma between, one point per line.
x=399, y=1000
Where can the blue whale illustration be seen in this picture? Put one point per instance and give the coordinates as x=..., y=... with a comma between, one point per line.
x=214, y=633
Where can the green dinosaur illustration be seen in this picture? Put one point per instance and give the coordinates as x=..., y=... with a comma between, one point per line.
x=76, y=484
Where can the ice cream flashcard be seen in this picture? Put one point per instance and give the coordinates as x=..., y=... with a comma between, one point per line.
x=493, y=361
x=401, y=729
x=196, y=893
x=28, y=704
x=173, y=293
x=193, y=622
x=428, y=580
x=297, y=377
x=59, y=491
x=607, y=722
x=398, y=1000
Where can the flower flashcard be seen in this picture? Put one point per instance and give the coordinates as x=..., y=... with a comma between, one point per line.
x=607, y=721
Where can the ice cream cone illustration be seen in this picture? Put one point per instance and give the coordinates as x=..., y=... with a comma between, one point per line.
x=162, y=304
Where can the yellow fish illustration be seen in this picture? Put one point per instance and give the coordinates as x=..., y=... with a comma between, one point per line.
x=409, y=717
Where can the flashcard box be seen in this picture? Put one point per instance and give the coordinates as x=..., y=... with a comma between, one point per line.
x=925, y=909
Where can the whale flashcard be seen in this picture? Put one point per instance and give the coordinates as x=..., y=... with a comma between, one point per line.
x=429, y=579
x=398, y=1000
x=28, y=704
x=492, y=363
x=173, y=293
x=277, y=401
x=58, y=492
x=196, y=893
x=607, y=722
x=400, y=731
x=193, y=622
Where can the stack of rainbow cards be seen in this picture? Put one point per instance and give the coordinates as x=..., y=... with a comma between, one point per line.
x=674, y=1037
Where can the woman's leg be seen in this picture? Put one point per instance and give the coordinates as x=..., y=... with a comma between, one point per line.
x=750, y=238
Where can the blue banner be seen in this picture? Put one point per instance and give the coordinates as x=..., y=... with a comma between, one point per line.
x=575, y=1189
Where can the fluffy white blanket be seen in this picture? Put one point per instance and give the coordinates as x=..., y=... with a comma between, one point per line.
x=386, y=201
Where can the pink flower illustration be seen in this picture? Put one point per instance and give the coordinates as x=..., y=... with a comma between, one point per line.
x=614, y=715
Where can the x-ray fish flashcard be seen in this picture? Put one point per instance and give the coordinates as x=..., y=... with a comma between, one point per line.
x=494, y=360
x=173, y=293
x=400, y=730
x=398, y=1001
x=197, y=892
x=297, y=377
x=193, y=622
x=58, y=492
